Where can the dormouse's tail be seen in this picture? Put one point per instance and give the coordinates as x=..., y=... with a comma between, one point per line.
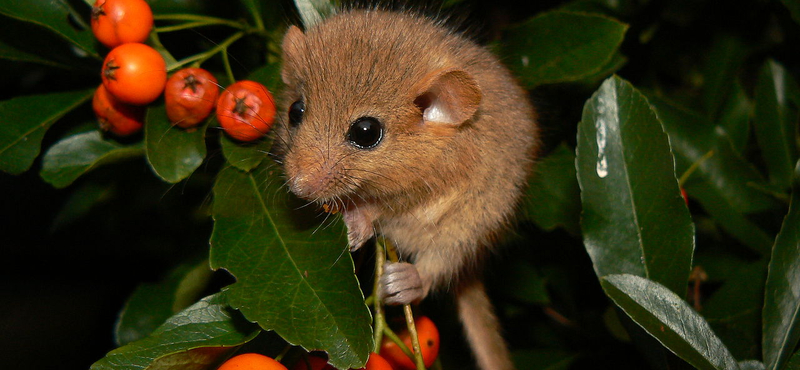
x=482, y=327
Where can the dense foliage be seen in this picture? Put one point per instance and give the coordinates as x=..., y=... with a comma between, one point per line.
x=661, y=230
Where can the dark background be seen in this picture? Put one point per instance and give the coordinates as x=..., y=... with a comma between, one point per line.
x=65, y=278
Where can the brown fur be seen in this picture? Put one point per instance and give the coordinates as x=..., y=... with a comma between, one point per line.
x=443, y=182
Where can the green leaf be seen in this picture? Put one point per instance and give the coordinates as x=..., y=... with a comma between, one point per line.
x=268, y=75
x=314, y=11
x=82, y=200
x=751, y=365
x=173, y=153
x=553, y=197
x=794, y=8
x=12, y=52
x=776, y=122
x=151, y=304
x=723, y=183
x=294, y=272
x=24, y=122
x=794, y=363
x=735, y=118
x=561, y=46
x=57, y=16
x=193, y=339
x=244, y=156
x=720, y=73
x=692, y=136
x=781, y=314
x=634, y=218
x=27, y=42
x=734, y=310
x=670, y=320
x=75, y=155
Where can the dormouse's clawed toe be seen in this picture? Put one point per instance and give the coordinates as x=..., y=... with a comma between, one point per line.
x=400, y=284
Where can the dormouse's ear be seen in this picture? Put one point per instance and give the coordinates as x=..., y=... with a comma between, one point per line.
x=293, y=44
x=449, y=96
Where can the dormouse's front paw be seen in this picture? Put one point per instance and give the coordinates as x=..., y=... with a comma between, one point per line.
x=359, y=227
x=400, y=284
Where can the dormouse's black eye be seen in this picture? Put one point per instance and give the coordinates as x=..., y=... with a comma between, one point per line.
x=365, y=133
x=296, y=111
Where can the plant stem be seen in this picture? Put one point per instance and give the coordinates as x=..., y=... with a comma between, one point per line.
x=168, y=58
x=254, y=11
x=226, y=62
x=394, y=338
x=412, y=331
x=182, y=26
x=380, y=320
x=412, y=328
x=206, y=20
x=283, y=353
x=693, y=167
x=200, y=58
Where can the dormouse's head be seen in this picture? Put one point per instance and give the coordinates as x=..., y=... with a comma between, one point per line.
x=374, y=105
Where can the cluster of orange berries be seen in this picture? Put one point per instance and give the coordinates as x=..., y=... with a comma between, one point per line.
x=391, y=358
x=135, y=75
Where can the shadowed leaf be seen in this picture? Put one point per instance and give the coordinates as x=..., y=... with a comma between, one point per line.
x=294, y=272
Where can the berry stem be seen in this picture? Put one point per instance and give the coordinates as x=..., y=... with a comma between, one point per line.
x=412, y=328
x=254, y=11
x=202, y=57
x=196, y=21
x=380, y=320
x=156, y=43
x=394, y=338
x=412, y=331
x=226, y=62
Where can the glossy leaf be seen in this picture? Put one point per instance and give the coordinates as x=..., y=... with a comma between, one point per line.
x=561, y=46
x=268, y=75
x=195, y=338
x=553, y=197
x=313, y=11
x=75, y=155
x=781, y=314
x=775, y=122
x=244, y=156
x=734, y=117
x=12, y=52
x=723, y=183
x=692, y=136
x=734, y=310
x=751, y=365
x=294, y=272
x=721, y=70
x=25, y=121
x=634, y=220
x=669, y=319
x=57, y=16
x=151, y=304
x=173, y=153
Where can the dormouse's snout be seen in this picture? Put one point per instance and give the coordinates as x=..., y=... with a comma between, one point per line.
x=313, y=178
